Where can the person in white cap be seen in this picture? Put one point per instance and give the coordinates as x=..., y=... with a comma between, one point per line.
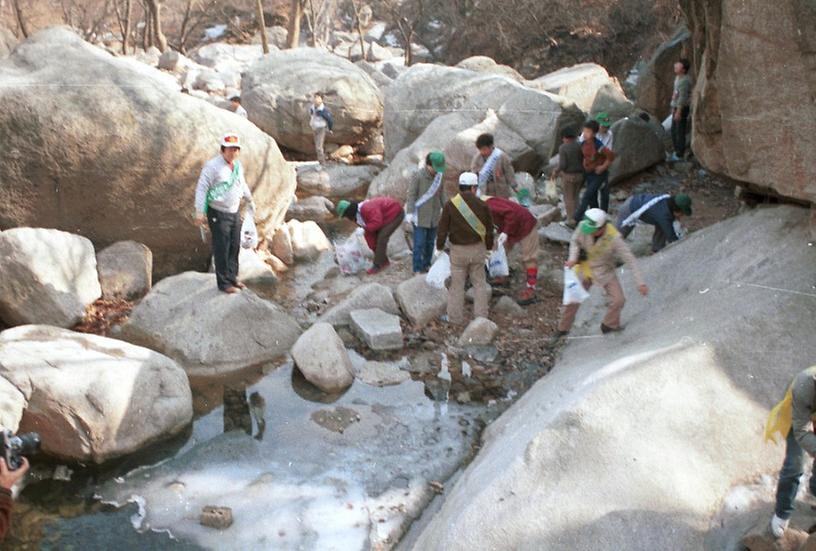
x=596, y=248
x=218, y=195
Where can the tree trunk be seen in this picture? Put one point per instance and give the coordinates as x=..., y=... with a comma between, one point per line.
x=126, y=27
x=18, y=12
x=185, y=30
x=295, y=14
x=359, y=28
x=262, y=25
x=155, y=23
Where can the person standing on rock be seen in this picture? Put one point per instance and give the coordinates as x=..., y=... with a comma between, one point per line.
x=517, y=225
x=426, y=197
x=596, y=248
x=494, y=167
x=237, y=108
x=379, y=217
x=467, y=223
x=793, y=419
x=321, y=122
x=218, y=195
x=571, y=171
x=659, y=210
x=680, y=105
x=597, y=160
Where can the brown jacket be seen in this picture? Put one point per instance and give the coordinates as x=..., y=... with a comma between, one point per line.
x=5, y=512
x=454, y=226
x=504, y=177
x=603, y=267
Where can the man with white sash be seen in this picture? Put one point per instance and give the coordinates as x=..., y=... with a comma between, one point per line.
x=467, y=223
x=218, y=195
x=426, y=197
x=494, y=167
x=658, y=210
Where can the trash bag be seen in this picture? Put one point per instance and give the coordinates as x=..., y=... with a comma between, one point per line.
x=439, y=272
x=679, y=230
x=497, y=263
x=667, y=124
x=351, y=254
x=249, y=233
x=574, y=292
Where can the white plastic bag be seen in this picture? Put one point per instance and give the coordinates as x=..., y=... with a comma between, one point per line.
x=439, y=272
x=249, y=233
x=667, y=124
x=497, y=263
x=351, y=254
x=574, y=292
x=679, y=230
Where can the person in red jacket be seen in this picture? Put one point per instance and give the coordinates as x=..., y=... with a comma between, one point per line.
x=7, y=480
x=379, y=217
x=517, y=225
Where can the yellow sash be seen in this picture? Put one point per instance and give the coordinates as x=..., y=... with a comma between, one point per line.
x=599, y=248
x=781, y=418
x=469, y=216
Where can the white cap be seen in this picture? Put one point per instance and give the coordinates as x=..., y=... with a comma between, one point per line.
x=231, y=139
x=597, y=216
x=468, y=179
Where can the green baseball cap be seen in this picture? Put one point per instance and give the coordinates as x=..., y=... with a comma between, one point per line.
x=683, y=202
x=342, y=206
x=437, y=161
x=603, y=119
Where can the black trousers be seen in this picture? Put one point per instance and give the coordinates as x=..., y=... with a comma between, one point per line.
x=225, y=228
x=678, y=132
x=596, y=184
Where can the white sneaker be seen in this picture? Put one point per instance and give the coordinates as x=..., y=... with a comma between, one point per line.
x=778, y=526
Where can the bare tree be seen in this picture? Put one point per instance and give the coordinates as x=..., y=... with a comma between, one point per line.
x=124, y=23
x=160, y=41
x=262, y=25
x=359, y=28
x=295, y=14
x=407, y=16
x=18, y=13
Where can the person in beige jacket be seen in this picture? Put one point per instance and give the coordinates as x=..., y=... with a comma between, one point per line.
x=603, y=249
x=494, y=169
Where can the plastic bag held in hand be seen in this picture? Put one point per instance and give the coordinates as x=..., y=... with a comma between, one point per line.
x=497, y=264
x=574, y=292
x=439, y=272
x=351, y=254
x=249, y=233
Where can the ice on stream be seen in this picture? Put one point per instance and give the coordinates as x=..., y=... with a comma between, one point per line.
x=300, y=485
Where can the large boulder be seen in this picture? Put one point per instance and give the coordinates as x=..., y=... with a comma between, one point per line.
x=484, y=64
x=671, y=412
x=421, y=302
x=755, y=67
x=316, y=209
x=125, y=270
x=308, y=240
x=61, y=166
x=278, y=89
x=589, y=86
x=655, y=83
x=7, y=41
x=229, y=61
x=12, y=403
x=256, y=273
x=336, y=181
x=367, y=296
x=209, y=332
x=320, y=355
x=92, y=398
x=637, y=147
x=46, y=276
x=425, y=93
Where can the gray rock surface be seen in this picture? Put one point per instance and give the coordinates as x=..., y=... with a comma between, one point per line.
x=382, y=374
x=92, y=398
x=125, y=270
x=209, y=332
x=46, y=276
x=684, y=391
x=556, y=232
x=335, y=181
x=61, y=94
x=656, y=81
x=7, y=41
x=366, y=296
x=589, y=86
x=506, y=306
x=484, y=64
x=320, y=355
x=420, y=302
x=637, y=147
x=479, y=332
x=315, y=209
x=12, y=403
x=256, y=273
x=378, y=329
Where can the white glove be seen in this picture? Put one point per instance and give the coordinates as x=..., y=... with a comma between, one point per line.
x=502, y=239
x=252, y=207
x=409, y=218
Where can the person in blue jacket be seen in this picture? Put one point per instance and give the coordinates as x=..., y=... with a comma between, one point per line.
x=658, y=210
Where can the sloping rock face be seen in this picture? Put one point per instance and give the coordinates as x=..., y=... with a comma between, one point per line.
x=278, y=89
x=589, y=86
x=656, y=82
x=653, y=426
x=92, y=398
x=754, y=118
x=7, y=41
x=63, y=165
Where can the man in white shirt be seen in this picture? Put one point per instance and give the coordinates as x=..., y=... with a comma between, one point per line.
x=218, y=195
x=237, y=108
x=321, y=122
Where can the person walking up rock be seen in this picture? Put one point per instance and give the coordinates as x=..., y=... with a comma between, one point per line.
x=597, y=160
x=467, y=223
x=218, y=195
x=596, y=248
x=426, y=197
x=379, y=217
x=494, y=167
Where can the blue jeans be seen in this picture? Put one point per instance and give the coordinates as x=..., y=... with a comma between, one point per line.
x=792, y=469
x=424, y=240
x=595, y=184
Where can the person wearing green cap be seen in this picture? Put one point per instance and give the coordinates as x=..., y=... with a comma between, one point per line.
x=426, y=197
x=596, y=248
x=658, y=210
x=379, y=217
